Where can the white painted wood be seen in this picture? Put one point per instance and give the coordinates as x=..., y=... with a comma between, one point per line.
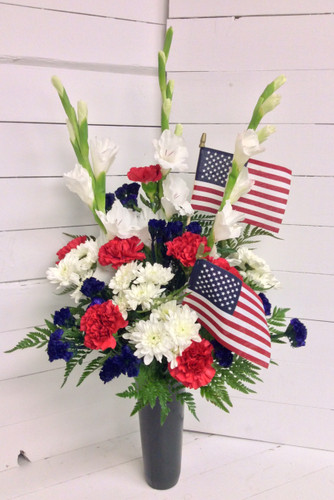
x=64, y=419
x=266, y=47
x=113, y=98
x=71, y=210
x=56, y=37
x=305, y=149
x=212, y=465
x=267, y=421
x=38, y=149
x=151, y=11
x=20, y=261
x=215, y=8
x=67, y=209
x=230, y=97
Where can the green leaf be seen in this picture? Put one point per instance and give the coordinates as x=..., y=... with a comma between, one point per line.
x=77, y=359
x=38, y=338
x=92, y=366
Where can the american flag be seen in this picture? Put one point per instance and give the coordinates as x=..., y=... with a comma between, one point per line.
x=230, y=310
x=264, y=205
x=211, y=175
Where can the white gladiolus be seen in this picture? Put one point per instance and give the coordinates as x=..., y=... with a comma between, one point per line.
x=79, y=182
x=124, y=223
x=171, y=152
x=225, y=225
x=175, y=197
x=247, y=145
x=103, y=152
x=242, y=186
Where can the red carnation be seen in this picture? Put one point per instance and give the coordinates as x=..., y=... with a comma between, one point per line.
x=220, y=262
x=100, y=322
x=194, y=368
x=145, y=174
x=185, y=247
x=70, y=245
x=121, y=251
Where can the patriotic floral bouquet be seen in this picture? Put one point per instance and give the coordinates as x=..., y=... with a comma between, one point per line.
x=169, y=291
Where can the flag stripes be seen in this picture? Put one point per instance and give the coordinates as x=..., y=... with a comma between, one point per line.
x=264, y=205
x=230, y=310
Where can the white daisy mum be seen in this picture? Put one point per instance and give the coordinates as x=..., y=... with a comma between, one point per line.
x=150, y=340
x=154, y=273
x=124, y=276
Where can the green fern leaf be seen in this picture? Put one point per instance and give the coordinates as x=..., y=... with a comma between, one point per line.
x=93, y=365
x=38, y=339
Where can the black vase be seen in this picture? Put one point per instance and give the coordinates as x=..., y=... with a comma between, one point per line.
x=162, y=445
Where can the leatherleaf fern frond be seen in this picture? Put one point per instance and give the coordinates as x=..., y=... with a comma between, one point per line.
x=277, y=324
x=37, y=338
x=249, y=236
x=238, y=376
x=154, y=386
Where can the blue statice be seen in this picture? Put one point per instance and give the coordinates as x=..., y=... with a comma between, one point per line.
x=194, y=227
x=63, y=317
x=223, y=355
x=96, y=300
x=156, y=228
x=266, y=304
x=92, y=286
x=110, y=198
x=125, y=363
x=172, y=230
x=296, y=333
x=58, y=349
x=127, y=194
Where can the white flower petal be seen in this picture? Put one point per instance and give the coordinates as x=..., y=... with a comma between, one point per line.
x=79, y=182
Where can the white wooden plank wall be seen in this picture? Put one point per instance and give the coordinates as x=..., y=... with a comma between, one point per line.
x=224, y=53
x=105, y=52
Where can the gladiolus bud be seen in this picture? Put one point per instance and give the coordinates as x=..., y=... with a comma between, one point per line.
x=279, y=81
x=82, y=112
x=71, y=131
x=57, y=85
x=270, y=103
x=178, y=130
x=265, y=132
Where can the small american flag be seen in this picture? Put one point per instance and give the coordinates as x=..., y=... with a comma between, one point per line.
x=230, y=310
x=211, y=175
x=264, y=205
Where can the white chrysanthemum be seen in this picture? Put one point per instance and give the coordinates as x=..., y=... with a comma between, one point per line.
x=254, y=268
x=171, y=152
x=183, y=329
x=122, y=304
x=75, y=266
x=124, y=275
x=154, y=273
x=142, y=295
x=165, y=310
x=150, y=340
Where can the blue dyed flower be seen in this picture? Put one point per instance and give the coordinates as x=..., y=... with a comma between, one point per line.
x=156, y=227
x=110, y=198
x=127, y=194
x=63, y=317
x=296, y=333
x=266, y=304
x=92, y=286
x=194, y=227
x=96, y=300
x=223, y=355
x=58, y=349
x=126, y=363
x=172, y=230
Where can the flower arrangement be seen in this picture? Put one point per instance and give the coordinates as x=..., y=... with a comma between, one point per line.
x=169, y=292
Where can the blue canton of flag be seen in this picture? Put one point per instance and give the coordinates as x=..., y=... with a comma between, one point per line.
x=230, y=310
x=211, y=176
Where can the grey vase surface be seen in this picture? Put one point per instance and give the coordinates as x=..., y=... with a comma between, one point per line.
x=162, y=445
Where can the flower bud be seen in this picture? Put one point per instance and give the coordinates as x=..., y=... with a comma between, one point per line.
x=82, y=112
x=270, y=103
x=279, y=81
x=265, y=132
x=71, y=131
x=57, y=85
